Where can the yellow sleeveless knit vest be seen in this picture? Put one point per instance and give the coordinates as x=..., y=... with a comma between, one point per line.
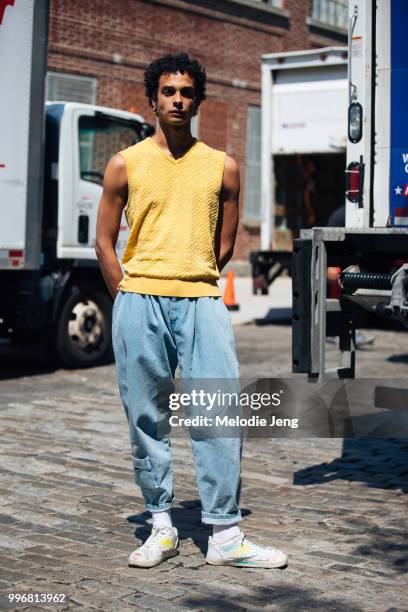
x=172, y=213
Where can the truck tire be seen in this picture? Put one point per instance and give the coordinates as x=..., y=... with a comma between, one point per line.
x=83, y=331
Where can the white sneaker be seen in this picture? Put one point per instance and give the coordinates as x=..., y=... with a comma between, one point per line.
x=160, y=545
x=241, y=552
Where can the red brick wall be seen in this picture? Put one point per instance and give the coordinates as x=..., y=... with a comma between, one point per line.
x=213, y=123
x=85, y=35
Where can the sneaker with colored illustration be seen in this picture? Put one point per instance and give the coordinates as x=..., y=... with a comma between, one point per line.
x=159, y=546
x=241, y=552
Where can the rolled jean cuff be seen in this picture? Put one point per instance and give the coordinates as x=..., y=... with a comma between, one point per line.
x=220, y=519
x=159, y=508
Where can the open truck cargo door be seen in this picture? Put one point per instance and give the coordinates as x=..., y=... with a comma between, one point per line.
x=304, y=111
x=308, y=109
x=304, y=132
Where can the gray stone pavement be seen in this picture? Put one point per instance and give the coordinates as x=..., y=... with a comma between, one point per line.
x=71, y=514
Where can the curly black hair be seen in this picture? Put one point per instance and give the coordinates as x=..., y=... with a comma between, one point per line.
x=171, y=63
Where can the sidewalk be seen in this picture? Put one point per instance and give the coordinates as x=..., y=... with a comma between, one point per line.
x=71, y=513
x=276, y=305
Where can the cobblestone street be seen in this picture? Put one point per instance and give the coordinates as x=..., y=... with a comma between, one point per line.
x=71, y=513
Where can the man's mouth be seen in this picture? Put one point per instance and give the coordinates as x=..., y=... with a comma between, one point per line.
x=178, y=113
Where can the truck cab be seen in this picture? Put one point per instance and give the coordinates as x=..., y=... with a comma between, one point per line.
x=63, y=303
x=80, y=140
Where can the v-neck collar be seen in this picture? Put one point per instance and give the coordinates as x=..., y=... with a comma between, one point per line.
x=172, y=159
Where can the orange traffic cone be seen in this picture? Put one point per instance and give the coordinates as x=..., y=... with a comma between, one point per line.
x=229, y=293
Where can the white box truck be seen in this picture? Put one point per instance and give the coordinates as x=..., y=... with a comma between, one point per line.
x=372, y=248
x=304, y=135
x=52, y=160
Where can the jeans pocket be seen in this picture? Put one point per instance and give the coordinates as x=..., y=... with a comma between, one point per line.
x=115, y=302
x=144, y=475
x=227, y=331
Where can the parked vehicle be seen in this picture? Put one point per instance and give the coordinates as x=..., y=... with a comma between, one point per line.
x=304, y=133
x=52, y=160
x=372, y=248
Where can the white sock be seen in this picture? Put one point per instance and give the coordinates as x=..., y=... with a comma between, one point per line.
x=223, y=533
x=162, y=519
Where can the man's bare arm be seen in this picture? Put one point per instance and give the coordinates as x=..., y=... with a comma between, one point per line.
x=228, y=214
x=113, y=200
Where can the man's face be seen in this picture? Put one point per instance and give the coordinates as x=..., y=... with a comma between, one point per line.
x=176, y=98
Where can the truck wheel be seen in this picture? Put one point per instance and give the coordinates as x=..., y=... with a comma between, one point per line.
x=83, y=337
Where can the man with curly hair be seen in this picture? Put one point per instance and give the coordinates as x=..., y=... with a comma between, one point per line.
x=180, y=198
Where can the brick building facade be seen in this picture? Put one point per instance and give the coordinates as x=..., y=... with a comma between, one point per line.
x=113, y=42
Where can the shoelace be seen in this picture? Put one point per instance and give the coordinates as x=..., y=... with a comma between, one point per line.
x=258, y=548
x=152, y=540
x=245, y=541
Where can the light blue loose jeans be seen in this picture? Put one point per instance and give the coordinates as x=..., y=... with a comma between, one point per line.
x=151, y=336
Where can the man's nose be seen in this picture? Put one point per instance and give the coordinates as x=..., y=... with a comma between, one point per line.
x=178, y=99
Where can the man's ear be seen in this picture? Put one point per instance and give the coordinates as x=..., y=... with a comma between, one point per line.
x=153, y=104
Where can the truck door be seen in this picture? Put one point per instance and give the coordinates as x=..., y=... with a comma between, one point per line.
x=308, y=147
x=96, y=137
